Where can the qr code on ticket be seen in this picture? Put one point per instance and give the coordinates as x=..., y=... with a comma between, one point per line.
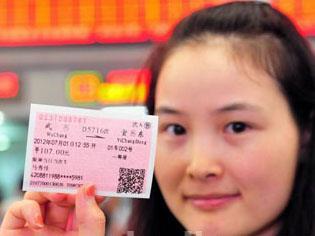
x=130, y=180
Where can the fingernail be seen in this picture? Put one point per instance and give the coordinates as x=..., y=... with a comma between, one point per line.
x=90, y=190
x=39, y=221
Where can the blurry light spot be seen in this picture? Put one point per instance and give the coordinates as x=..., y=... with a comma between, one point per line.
x=1, y=117
x=4, y=142
x=9, y=85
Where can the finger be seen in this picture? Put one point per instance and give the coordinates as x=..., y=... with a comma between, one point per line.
x=90, y=218
x=39, y=198
x=71, y=223
x=60, y=198
x=57, y=215
x=22, y=212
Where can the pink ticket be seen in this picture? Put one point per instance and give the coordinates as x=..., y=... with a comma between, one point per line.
x=68, y=147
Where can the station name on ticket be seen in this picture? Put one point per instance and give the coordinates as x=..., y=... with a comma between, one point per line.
x=68, y=147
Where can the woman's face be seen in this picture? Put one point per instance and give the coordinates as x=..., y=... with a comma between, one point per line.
x=227, y=146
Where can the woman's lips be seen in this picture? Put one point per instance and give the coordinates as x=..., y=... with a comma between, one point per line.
x=211, y=201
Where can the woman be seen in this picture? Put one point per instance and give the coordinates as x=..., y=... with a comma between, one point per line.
x=234, y=91
x=222, y=166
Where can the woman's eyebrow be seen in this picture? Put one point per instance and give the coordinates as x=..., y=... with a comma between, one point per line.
x=238, y=107
x=167, y=110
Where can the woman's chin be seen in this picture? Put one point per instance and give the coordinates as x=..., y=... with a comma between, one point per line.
x=207, y=229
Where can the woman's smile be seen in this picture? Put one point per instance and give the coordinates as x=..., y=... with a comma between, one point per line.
x=211, y=201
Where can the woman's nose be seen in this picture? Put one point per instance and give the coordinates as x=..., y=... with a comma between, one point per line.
x=204, y=161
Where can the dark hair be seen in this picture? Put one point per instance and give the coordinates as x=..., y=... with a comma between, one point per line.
x=273, y=44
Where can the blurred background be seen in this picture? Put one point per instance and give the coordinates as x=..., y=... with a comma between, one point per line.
x=85, y=53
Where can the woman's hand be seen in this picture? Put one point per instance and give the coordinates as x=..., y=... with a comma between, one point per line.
x=47, y=214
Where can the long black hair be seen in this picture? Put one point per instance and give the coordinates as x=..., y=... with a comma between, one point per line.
x=273, y=44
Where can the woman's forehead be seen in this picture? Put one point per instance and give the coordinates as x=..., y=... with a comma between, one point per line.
x=263, y=52
x=203, y=63
x=209, y=75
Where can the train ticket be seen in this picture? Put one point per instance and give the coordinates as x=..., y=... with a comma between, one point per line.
x=68, y=147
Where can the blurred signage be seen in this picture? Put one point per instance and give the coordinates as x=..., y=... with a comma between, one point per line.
x=302, y=12
x=9, y=85
x=54, y=22
x=112, y=93
x=128, y=76
x=124, y=87
x=120, y=87
x=82, y=86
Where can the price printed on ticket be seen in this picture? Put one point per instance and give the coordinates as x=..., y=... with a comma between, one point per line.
x=69, y=147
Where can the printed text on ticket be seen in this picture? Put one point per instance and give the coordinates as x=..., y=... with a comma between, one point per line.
x=68, y=147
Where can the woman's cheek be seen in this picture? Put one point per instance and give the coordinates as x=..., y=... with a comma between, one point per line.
x=169, y=165
x=262, y=171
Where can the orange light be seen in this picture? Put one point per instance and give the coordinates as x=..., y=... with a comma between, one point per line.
x=121, y=87
x=128, y=76
x=112, y=93
x=82, y=86
x=125, y=87
x=9, y=85
x=301, y=12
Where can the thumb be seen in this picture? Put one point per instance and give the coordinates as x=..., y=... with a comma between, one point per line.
x=90, y=218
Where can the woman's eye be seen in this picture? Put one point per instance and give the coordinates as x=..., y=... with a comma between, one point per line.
x=237, y=127
x=175, y=129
